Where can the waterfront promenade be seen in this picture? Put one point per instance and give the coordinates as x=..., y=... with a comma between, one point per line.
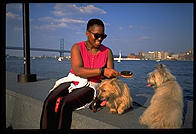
x=24, y=105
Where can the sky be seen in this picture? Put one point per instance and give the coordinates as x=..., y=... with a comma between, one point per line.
x=131, y=27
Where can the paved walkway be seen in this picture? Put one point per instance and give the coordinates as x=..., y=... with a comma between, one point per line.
x=24, y=104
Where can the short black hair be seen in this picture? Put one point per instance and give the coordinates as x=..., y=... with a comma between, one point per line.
x=93, y=22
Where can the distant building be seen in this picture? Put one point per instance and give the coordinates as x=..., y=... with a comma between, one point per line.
x=166, y=54
x=186, y=55
x=158, y=55
x=149, y=55
x=161, y=55
x=174, y=57
x=140, y=56
x=132, y=55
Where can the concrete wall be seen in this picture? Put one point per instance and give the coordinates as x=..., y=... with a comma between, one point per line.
x=21, y=111
x=24, y=112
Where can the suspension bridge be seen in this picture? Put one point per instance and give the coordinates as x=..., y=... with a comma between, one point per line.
x=61, y=50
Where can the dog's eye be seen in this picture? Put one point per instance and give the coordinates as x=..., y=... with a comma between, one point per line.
x=103, y=90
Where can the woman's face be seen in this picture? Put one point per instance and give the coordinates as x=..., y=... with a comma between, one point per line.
x=92, y=33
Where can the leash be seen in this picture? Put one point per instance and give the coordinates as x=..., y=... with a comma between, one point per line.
x=139, y=105
x=96, y=104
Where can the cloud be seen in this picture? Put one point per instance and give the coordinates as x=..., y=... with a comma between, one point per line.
x=130, y=27
x=16, y=7
x=89, y=9
x=51, y=23
x=47, y=19
x=72, y=9
x=145, y=28
x=50, y=26
x=14, y=21
x=11, y=15
x=68, y=20
x=121, y=28
x=145, y=38
x=14, y=11
x=61, y=20
x=18, y=29
x=66, y=15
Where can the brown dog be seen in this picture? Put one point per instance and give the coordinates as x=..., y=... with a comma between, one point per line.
x=117, y=95
x=166, y=105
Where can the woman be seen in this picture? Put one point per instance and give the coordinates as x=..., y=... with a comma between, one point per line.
x=89, y=60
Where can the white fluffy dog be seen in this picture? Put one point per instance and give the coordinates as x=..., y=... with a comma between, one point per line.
x=166, y=105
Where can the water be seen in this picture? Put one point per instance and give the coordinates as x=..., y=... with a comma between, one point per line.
x=182, y=70
x=52, y=68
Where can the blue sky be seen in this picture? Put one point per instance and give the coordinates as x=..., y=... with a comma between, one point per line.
x=131, y=27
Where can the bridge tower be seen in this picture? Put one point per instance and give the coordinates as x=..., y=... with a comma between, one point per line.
x=61, y=47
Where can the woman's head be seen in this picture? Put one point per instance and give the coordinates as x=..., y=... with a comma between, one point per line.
x=94, y=22
x=95, y=32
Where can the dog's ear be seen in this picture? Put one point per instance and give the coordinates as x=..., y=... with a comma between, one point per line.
x=165, y=73
x=160, y=66
x=116, y=87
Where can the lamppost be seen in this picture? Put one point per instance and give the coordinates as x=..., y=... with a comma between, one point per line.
x=26, y=77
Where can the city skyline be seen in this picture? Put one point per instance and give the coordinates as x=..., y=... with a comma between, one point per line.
x=131, y=27
x=116, y=55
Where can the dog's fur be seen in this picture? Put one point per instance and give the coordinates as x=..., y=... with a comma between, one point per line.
x=117, y=94
x=166, y=105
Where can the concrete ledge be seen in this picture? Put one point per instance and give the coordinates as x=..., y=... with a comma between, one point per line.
x=83, y=122
x=24, y=112
x=24, y=103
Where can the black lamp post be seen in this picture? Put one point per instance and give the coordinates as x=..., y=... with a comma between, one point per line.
x=26, y=77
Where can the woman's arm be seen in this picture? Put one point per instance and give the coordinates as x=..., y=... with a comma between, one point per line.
x=109, y=71
x=110, y=60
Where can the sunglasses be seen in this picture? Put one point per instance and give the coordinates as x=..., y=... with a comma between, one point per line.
x=97, y=36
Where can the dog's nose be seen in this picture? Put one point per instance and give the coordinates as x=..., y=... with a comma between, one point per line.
x=99, y=96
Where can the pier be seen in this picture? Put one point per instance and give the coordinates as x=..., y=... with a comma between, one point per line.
x=24, y=103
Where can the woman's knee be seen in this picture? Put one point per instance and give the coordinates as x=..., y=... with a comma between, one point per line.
x=49, y=101
x=61, y=90
x=90, y=91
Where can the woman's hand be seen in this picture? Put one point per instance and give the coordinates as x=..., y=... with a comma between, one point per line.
x=110, y=73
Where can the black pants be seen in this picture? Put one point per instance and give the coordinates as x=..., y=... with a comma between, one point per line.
x=63, y=118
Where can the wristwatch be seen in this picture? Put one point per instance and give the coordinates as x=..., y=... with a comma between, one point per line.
x=102, y=71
